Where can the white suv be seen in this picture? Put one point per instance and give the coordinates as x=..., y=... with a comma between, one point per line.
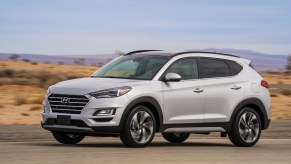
x=144, y=92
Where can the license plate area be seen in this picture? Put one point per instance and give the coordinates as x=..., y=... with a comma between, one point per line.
x=63, y=120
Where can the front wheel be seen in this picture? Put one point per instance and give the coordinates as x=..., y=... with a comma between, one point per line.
x=139, y=127
x=246, y=128
x=67, y=138
x=176, y=137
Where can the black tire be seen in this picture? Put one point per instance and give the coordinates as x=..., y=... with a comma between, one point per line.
x=236, y=135
x=67, y=138
x=130, y=127
x=176, y=137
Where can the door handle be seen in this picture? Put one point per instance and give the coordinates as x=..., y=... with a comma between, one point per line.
x=198, y=90
x=235, y=87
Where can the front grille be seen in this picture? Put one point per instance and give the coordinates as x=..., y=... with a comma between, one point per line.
x=72, y=104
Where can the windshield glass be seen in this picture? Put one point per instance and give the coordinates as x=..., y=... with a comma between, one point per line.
x=133, y=67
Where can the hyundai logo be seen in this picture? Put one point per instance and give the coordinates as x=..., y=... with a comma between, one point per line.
x=65, y=100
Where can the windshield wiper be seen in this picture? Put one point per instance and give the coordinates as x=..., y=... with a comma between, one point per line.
x=112, y=77
x=115, y=77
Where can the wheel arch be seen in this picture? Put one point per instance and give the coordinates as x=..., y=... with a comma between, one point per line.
x=149, y=102
x=257, y=105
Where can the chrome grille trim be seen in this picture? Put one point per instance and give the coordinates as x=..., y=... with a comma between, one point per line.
x=70, y=98
x=72, y=104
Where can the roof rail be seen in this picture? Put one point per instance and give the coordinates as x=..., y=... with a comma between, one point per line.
x=216, y=53
x=139, y=51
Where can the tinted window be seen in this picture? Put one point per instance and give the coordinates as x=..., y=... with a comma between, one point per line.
x=186, y=68
x=234, y=67
x=214, y=68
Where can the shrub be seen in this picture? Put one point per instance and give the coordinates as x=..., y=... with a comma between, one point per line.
x=39, y=78
x=72, y=77
x=7, y=73
x=20, y=100
x=286, y=92
x=38, y=100
x=26, y=60
x=20, y=81
x=24, y=114
x=35, y=108
x=274, y=95
x=43, y=76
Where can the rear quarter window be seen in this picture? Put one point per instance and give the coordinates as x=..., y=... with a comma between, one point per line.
x=235, y=68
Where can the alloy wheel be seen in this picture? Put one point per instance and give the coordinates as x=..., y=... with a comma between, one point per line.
x=141, y=127
x=249, y=127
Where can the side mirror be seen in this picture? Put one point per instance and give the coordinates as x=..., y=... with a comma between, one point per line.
x=172, y=77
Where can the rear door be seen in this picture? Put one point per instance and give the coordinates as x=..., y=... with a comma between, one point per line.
x=223, y=88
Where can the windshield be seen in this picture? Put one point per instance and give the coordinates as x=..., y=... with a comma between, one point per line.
x=133, y=67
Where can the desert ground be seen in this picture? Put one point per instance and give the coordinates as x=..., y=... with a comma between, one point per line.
x=24, y=84
x=105, y=150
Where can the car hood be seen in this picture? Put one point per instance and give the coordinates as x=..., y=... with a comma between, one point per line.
x=86, y=85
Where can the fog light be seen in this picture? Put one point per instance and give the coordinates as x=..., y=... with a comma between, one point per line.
x=104, y=112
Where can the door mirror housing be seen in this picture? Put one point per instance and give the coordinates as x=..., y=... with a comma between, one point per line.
x=172, y=77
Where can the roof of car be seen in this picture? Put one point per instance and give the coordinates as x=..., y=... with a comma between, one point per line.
x=172, y=54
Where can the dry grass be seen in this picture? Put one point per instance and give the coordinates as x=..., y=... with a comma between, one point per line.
x=31, y=80
x=277, y=78
x=13, y=114
x=37, y=78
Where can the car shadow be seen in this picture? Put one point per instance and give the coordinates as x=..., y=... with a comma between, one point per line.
x=120, y=145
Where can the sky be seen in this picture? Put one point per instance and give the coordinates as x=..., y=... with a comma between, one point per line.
x=55, y=27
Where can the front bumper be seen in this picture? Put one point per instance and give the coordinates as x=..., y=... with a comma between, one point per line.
x=86, y=121
x=98, y=130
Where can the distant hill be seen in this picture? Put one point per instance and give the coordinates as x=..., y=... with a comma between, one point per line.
x=98, y=60
x=261, y=61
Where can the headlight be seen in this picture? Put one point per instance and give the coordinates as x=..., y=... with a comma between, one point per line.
x=109, y=93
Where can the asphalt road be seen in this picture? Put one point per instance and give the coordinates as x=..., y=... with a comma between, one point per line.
x=110, y=150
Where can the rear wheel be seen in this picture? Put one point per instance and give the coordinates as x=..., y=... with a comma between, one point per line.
x=139, y=128
x=246, y=129
x=68, y=138
x=176, y=137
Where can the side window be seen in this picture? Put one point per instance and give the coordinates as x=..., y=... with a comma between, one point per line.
x=214, y=68
x=234, y=67
x=186, y=68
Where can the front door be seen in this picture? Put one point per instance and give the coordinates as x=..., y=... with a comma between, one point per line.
x=184, y=100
